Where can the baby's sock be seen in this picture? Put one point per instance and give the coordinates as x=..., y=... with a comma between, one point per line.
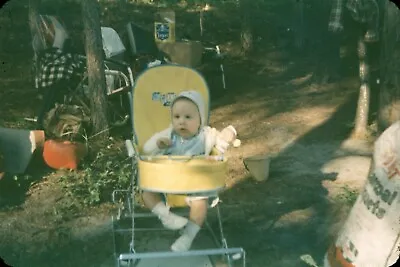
x=169, y=219
x=184, y=242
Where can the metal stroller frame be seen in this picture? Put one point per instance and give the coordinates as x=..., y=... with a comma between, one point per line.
x=130, y=257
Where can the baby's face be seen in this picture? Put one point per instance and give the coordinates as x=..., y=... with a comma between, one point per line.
x=185, y=118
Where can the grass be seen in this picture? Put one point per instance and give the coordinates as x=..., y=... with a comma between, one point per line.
x=109, y=169
x=347, y=197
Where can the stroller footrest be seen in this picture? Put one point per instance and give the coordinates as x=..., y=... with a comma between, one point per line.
x=236, y=253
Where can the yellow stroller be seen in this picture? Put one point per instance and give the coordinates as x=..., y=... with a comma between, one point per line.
x=174, y=176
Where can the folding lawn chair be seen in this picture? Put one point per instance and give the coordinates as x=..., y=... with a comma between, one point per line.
x=61, y=74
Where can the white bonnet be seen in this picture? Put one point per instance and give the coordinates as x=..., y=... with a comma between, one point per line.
x=197, y=99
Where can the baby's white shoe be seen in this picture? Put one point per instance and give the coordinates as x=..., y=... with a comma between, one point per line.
x=173, y=222
x=168, y=219
x=184, y=242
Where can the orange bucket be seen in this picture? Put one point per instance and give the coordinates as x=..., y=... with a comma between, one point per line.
x=63, y=154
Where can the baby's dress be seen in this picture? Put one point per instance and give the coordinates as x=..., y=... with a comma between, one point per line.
x=194, y=146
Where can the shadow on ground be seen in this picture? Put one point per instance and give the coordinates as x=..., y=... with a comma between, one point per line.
x=14, y=187
x=282, y=218
x=62, y=251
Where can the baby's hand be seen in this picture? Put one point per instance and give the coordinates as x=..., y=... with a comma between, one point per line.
x=163, y=143
x=221, y=145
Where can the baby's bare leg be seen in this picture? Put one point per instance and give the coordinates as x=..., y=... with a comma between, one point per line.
x=198, y=211
x=151, y=199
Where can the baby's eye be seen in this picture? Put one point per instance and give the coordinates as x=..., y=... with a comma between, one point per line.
x=176, y=116
x=188, y=117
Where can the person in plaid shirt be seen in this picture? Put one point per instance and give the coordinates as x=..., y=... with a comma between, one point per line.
x=362, y=11
x=55, y=70
x=57, y=73
x=55, y=65
x=364, y=14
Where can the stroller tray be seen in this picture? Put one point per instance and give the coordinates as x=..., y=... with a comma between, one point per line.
x=180, y=175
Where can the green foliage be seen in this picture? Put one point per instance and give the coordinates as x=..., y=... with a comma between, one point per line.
x=95, y=182
x=347, y=197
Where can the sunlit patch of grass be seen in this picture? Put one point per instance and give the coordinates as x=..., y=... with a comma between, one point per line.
x=347, y=196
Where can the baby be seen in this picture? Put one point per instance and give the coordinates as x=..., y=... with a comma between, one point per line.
x=187, y=135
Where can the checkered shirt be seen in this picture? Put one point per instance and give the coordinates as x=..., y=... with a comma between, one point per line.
x=54, y=65
x=364, y=11
x=335, y=21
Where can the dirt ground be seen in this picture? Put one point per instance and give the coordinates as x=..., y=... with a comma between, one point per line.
x=276, y=109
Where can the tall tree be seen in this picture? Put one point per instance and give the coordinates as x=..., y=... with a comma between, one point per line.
x=95, y=58
x=298, y=23
x=33, y=14
x=389, y=103
x=363, y=105
x=246, y=34
x=325, y=44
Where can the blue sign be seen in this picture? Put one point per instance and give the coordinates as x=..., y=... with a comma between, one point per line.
x=162, y=31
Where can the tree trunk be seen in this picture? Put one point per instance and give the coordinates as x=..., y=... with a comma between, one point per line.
x=298, y=24
x=96, y=78
x=246, y=35
x=33, y=15
x=361, y=120
x=202, y=18
x=325, y=44
x=389, y=103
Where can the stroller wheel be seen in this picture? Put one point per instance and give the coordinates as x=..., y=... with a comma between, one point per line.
x=129, y=263
x=126, y=263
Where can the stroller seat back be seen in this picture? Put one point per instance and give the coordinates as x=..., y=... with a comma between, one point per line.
x=153, y=93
